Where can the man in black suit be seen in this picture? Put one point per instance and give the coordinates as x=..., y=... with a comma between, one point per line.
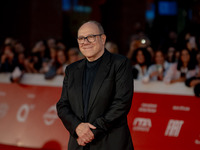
x=97, y=95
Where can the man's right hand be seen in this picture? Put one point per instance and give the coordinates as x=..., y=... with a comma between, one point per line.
x=84, y=133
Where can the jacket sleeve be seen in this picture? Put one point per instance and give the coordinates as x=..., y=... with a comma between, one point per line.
x=121, y=103
x=64, y=110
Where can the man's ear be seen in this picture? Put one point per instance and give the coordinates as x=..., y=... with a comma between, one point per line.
x=103, y=37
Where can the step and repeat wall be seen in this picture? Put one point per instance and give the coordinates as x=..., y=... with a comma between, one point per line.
x=161, y=117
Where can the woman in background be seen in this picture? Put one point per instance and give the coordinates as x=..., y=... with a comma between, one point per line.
x=157, y=71
x=141, y=61
x=73, y=55
x=58, y=67
x=7, y=60
x=184, y=69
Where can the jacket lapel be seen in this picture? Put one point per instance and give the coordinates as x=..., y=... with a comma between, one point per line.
x=78, y=76
x=100, y=76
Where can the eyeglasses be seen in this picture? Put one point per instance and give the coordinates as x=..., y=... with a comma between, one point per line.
x=90, y=38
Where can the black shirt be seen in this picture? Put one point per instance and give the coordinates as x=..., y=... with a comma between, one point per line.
x=90, y=71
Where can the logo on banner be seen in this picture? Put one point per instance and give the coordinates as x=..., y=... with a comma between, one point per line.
x=31, y=96
x=181, y=108
x=2, y=93
x=3, y=109
x=142, y=124
x=174, y=128
x=148, y=108
x=23, y=112
x=50, y=116
x=197, y=141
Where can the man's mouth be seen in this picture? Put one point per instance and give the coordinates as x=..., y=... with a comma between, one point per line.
x=87, y=47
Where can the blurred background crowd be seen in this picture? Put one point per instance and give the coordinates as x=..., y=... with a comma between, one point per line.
x=161, y=38
x=49, y=57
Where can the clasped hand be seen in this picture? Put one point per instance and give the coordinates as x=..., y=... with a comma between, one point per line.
x=84, y=133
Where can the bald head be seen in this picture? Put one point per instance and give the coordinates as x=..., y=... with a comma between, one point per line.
x=94, y=23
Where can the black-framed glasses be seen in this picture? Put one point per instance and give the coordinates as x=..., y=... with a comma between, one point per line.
x=90, y=38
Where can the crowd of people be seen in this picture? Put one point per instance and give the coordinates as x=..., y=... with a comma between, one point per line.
x=47, y=56
x=171, y=62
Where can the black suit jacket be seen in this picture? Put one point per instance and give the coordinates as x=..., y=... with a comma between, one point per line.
x=109, y=103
